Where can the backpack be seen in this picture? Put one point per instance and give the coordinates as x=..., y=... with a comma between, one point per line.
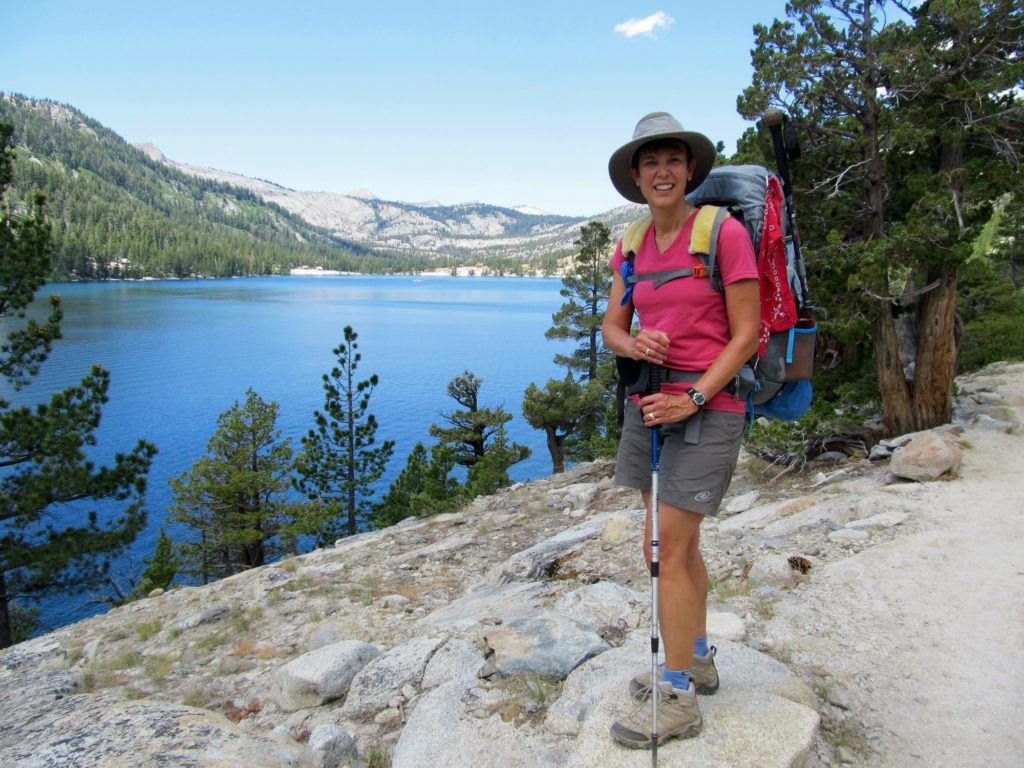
x=775, y=382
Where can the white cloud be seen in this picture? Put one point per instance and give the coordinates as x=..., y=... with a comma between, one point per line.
x=645, y=26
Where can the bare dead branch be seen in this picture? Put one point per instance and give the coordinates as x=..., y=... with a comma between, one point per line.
x=904, y=298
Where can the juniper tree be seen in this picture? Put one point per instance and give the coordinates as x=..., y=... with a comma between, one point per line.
x=491, y=472
x=235, y=496
x=560, y=409
x=341, y=460
x=472, y=426
x=915, y=127
x=43, y=449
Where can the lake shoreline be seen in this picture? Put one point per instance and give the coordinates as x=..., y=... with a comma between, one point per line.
x=314, y=273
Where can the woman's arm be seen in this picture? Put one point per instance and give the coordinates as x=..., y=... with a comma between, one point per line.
x=651, y=346
x=743, y=306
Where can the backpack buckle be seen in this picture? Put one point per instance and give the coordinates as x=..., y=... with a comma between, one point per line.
x=699, y=271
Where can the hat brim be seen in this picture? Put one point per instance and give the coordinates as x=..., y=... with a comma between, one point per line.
x=701, y=149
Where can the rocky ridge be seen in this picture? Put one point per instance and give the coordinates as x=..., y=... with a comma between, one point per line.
x=465, y=229
x=506, y=633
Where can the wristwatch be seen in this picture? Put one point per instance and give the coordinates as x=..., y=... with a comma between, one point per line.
x=697, y=396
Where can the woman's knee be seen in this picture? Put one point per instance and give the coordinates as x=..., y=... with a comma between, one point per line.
x=679, y=538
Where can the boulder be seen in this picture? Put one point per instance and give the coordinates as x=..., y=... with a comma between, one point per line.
x=759, y=717
x=458, y=659
x=328, y=745
x=879, y=452
x=725, y=625
x=546, y=644
x=504, y=602
x=583, y=687
x=577, y=495
x=620, y=528
x=376, y=684
x=533, y=563
x=321, y=675
x=211, y=614
x=394, y=601
x=596, y=605
x=927, y=456
x=772, y=570
x=441, y=733
x=741, y=503
x=763, y=514
x=987, y=421
x=46, y=725
x=879, y=521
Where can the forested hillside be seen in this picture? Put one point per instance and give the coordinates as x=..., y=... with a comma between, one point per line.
x=117, y=213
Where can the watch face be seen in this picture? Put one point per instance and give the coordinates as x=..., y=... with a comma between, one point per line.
x=697, y=397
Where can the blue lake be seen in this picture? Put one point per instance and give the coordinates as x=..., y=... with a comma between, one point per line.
x=181, y=352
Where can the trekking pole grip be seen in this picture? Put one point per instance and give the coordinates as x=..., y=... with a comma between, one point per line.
x=655, y=374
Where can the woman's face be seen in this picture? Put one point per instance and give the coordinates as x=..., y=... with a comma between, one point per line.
x=663, y=173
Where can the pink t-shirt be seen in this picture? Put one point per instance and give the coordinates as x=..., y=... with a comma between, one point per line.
x=688, y=309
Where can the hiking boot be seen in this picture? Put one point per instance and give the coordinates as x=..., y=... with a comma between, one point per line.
x=703, y=673
x=678, y=717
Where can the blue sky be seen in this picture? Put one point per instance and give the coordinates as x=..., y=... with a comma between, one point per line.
x=505, y=103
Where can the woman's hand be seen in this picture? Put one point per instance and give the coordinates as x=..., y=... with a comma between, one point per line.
x=650, y=346
x=660, y=408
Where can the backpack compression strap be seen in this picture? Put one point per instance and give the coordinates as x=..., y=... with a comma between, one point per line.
x=703, y=243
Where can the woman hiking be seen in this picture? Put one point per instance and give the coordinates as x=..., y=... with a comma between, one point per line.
x=700, y=337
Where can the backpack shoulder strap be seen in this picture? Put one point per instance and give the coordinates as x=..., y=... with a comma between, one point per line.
x=704, y=239
x=634, y=236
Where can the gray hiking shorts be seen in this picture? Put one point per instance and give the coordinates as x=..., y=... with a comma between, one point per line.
x=693, y=477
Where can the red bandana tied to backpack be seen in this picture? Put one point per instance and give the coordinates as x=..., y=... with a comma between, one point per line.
x=778, y=309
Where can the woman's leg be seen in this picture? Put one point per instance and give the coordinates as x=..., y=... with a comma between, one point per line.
x=682, y=582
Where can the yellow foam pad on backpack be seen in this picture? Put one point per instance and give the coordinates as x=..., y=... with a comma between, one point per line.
x=700, y=237
x=634, y=236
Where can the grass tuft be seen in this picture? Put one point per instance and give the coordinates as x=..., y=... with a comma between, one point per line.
x=147, y=629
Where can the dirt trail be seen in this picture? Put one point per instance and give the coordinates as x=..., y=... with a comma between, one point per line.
x=925, y=634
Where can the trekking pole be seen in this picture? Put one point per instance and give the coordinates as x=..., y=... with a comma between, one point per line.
x=655, y=386
x=787, y=147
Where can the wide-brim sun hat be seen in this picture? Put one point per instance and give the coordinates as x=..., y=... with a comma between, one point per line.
x=659, y=125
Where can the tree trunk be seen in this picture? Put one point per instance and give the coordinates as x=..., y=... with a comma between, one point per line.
x=936, y=351
x=927, y=401
x=555, y=449
x=5, y=613
x=897, y=400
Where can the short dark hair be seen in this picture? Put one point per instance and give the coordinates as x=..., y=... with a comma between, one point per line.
x=657, y=144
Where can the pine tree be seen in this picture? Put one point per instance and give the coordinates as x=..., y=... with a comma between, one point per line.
x=234, y=497
x=571, y=410
x=423, y=487
x=43, y=449
x=586, y=287
x=161, y=567
x=472, y=426
x=341, y=460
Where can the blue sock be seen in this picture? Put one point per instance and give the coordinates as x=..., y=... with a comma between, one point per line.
x=700, y=646
x=679, y=679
